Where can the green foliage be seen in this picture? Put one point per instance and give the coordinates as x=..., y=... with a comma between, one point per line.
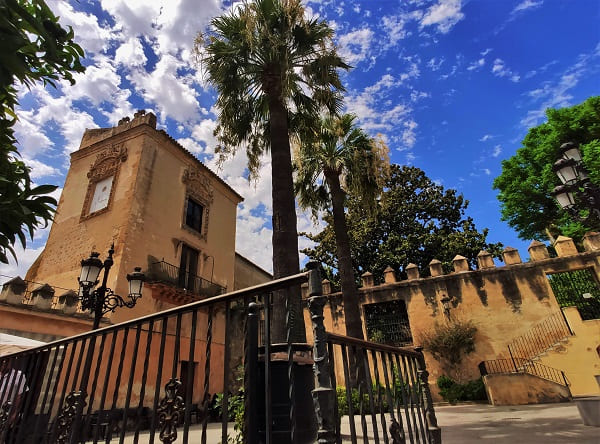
x=452, y=391
x=267, y=50
x=34, y=48
x=527, y=178
x=415, y=221
x=235, y=407
x=450, y=341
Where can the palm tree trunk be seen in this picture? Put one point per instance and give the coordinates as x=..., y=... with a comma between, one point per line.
x=285, y=233
x=342, y=240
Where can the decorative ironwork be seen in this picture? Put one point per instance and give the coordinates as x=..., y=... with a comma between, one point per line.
x=109, y=303
x=323, y=395
x=74, y=404
x=396, y=433
x=4, y=418
x=435, y=432
x=170, y=411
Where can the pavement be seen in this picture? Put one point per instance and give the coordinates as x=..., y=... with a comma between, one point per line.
x=470, y=424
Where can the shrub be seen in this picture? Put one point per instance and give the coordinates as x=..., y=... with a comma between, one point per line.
x=453, y=391
x=450, y=341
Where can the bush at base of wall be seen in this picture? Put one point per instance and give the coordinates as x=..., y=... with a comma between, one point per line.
x=453, y=391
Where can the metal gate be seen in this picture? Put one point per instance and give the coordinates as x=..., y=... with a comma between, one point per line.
x=577, y=288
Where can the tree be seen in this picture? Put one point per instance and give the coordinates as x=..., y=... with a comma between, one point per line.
x=341, y=158
x=34, y=48
x=275, y=70
x=527, y=178
x=415, y=221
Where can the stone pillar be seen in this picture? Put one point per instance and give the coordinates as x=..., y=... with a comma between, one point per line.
x=537, y=251
x=326, y=286
x=460, y=263
x=67, y=302
x=42, y=297
x=435, y=268
x=485, y=260
x=565, y=246
x=511, y=256
x=591, y=241
x=412, y=271
x=13, y=291
x=389, y=276
x=367, y=279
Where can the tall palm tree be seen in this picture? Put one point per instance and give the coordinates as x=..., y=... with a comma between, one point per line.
x=341, y=158
x=275, y=70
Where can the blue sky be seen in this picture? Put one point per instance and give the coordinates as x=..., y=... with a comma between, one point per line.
x=451, y=85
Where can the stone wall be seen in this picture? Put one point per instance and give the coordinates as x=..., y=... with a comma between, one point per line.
x=503, y=302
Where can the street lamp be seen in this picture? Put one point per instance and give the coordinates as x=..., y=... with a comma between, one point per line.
x=576, y=186
x=102, y=299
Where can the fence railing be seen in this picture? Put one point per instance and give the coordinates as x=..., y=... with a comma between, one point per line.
x=147, y=379
x=541, y=337
x=164, y=272
x=521, y=365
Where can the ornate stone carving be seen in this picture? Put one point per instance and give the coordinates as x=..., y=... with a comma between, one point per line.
x=198, y=185
x=107, y=164
x=170, y=410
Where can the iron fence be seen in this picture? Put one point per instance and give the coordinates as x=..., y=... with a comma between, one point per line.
x=164, y=272
x=147, y=379
x=577, y=288
x=521, y=365
x=541, y=337
x=382, y=393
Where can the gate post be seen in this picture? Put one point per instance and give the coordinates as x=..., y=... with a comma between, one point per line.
x=251, y=376
x=323, y=394
x=432, y=426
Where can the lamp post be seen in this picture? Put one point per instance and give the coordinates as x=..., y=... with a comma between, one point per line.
x=577, y=192
x=102, y=299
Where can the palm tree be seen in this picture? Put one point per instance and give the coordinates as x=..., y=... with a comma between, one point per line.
x=341, y=158
x=275, y=70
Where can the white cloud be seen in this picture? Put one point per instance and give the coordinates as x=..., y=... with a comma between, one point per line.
x=354, y=47
x=26, y=258
x=476, y=65
x=435, y=64
x=445, y=14
x=487, y=171
x=204, y=132
x=130, y=53
x=499, y=69
x=486, y=137
x=527, y=4
x=497, y=151
x=394, y=27
x=41, y=169
x=409, y=135
x=555, y=94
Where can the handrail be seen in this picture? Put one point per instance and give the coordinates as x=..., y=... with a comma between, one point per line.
x=267, y=287
x=521, y=365
x=348, y=340
x=174, y=276
x=540, y=337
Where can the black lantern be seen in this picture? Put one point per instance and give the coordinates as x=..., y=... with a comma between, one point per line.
x=102, y=299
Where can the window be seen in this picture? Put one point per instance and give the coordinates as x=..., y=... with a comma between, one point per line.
x=193, y=215
x=101, y=194
x=188, y=266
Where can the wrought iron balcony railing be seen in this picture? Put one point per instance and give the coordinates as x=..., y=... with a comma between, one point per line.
x=170, y=274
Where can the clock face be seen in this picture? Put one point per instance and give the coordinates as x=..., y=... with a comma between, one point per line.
x=101, y=194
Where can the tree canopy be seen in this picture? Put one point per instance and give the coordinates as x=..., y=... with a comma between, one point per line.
x=275, y=71
x=34, y=48
x=527, y=178
x=415, y=221
x=341, y=158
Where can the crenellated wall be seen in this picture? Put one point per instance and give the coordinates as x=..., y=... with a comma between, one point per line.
x=503, y=302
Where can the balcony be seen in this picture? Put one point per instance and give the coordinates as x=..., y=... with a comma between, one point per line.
x=163, y=272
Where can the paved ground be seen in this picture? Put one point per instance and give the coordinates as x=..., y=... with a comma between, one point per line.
x=529, y=424
x=478, y=423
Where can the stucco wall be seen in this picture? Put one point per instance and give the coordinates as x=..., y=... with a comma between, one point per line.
x=522, y=388
x=503, y=302
x=248, y=274
x=145, y=217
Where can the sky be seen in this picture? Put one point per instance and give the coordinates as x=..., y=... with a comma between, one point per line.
x=451, y=85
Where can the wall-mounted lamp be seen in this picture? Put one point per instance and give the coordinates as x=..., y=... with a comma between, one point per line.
x=446, y=304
